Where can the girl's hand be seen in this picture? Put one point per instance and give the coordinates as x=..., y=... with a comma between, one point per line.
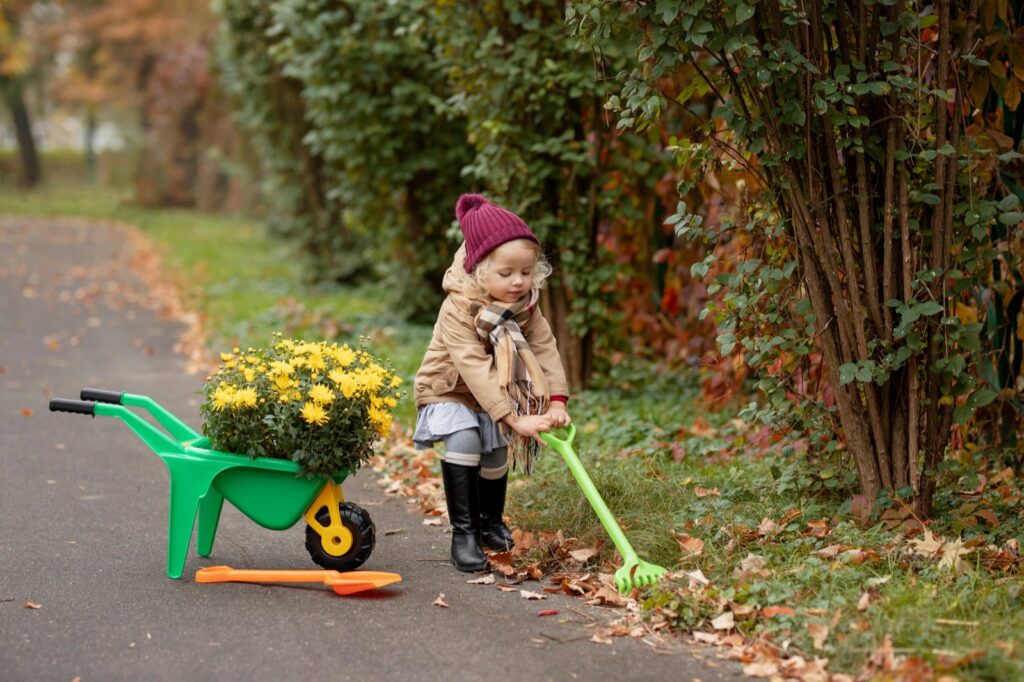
x=559, y=415
x=529, y=426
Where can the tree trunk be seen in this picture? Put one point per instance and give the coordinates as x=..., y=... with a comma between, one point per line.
x=89, y=143
x=31, y=172
x=555, y=303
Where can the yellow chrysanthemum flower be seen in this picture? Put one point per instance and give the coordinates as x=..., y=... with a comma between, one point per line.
x=224, y=357
x=245, y=397
x=250, y=374
x=306, y=347
x=223, y=396
x=321, y=395
x=281, y=367
x=314, y=414
x=344, y=356
x=396, y=381
x=380, y=419
x=283, y=382
x=315, y=362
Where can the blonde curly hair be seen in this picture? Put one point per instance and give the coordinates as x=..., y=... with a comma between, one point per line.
x=474, y=282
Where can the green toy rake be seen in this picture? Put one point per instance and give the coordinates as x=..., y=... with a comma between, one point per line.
x=635, y=572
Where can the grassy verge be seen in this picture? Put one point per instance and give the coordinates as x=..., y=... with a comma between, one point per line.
x=694, y=491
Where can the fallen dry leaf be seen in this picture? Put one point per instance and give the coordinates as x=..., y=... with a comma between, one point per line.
x=526, y=594
x=432, y=521
x=697, y=578
x=818, y=528
x=864, y=602
x=752, y=563
x=761, y=669
x=819, y=633
x=700, y=491
x=725, y=621
x=772, y=611
x=548, y=612
x=691, y=546
x=27, y=412
x=583, y=555
x=486, y=580
x=32, y=605
x=830, y=552
x=440, y=601
x=706, y=637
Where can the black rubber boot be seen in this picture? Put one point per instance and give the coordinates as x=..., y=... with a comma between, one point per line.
x=462, y=497
x=493, y=531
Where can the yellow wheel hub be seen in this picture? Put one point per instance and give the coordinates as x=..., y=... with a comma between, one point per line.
x=335, y=538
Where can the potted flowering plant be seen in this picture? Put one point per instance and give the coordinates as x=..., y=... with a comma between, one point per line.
x=321, y=405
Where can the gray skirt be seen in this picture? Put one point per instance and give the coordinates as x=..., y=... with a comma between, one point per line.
x=435, y=421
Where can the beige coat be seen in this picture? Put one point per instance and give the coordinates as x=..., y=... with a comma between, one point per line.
x=458, y=365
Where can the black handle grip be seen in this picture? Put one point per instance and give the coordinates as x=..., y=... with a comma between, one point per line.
x=68, y=405
x=101, y=396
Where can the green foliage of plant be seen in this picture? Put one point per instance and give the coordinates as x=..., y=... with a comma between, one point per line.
x=320, y=405
x=373, y=95
x=270, y=108
x=870, y=216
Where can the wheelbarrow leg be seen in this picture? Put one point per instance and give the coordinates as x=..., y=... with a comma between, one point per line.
x=210, y=505
x=190, y=481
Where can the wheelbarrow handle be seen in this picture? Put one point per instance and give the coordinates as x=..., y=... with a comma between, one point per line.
x=101, y=395
x=74, y=406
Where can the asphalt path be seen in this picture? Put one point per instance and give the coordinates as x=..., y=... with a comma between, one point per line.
x=83, y=528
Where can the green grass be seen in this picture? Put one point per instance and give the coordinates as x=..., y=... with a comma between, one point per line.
x=651, y=457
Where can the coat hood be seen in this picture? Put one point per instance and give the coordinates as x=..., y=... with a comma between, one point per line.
x=455, y=278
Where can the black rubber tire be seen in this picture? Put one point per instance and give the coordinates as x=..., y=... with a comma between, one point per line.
x=364, y=537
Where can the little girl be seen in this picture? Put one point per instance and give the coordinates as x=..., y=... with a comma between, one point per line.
x=491, y=380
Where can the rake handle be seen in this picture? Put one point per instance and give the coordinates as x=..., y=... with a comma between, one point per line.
x=564, y=448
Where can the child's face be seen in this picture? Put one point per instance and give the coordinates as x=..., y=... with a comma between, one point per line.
x=510, y=270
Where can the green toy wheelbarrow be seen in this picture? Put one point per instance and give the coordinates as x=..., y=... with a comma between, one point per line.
x=635, y=572
x=339, y=535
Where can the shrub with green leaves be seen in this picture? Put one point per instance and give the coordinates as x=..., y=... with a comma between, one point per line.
x=870, y=216
x=322, y=406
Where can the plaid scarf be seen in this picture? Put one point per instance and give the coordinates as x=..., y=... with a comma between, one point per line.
x=520, y=376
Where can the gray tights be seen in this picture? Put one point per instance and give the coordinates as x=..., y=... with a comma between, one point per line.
x=464, y=448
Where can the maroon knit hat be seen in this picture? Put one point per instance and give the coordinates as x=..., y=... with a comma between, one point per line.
x=486, y=226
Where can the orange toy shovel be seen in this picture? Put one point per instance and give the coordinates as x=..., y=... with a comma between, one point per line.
x=348, y=582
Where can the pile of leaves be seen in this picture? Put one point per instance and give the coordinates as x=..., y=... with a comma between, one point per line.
x=320, y=405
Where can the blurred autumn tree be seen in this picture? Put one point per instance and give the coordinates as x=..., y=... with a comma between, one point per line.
x=15, y=69
x=146, y=64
